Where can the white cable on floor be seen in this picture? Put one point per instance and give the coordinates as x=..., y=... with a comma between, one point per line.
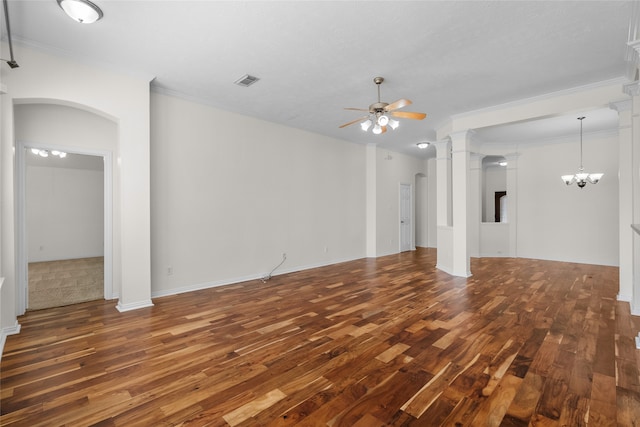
x=268, y=276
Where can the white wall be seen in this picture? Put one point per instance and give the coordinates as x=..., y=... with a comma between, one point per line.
x=494, y=239
x=45, y=78
x=392, y=170
x=566, y=223
x=64, y=207
x=231, y=194
x=65, y=213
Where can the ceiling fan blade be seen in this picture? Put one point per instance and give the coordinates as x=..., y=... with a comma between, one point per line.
x=398, y=104
x=357, y=109
x=408, y=115
x=354, y=121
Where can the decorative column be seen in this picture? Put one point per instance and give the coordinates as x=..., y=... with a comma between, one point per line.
x=443, y=206
x=460, y=200
x=474, y=212
x=633, y=186
x=512, y=202
x=625, y=203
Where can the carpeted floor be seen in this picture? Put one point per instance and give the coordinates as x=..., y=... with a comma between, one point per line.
x=65, y=282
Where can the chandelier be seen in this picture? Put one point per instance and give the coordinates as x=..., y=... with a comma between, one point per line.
x=581, y=178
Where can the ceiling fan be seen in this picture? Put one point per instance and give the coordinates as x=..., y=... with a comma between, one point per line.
x=379, y=113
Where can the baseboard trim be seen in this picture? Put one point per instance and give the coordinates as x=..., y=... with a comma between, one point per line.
x=5, y=332
x=133, y=306
x=445, y=269
x=236, y=280
x=624, y=298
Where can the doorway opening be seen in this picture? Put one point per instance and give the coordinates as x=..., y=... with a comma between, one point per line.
x=64, y=226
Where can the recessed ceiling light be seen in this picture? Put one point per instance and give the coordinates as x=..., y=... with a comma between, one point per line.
x=82, y=11
x=246, y=80
x=422, y=145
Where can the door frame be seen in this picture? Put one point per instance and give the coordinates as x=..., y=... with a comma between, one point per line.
x=22, y=259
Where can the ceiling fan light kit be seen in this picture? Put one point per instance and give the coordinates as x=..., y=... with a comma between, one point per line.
x=581, y=178
x=380, y=113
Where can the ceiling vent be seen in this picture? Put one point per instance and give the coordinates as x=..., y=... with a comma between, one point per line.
x=246, y=80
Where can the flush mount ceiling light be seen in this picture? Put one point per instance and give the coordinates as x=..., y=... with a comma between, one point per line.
x=45, y=153
x=82, y=11
x=581, y=178
x=422, y=145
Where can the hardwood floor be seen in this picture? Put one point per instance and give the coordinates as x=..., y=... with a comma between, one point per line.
x=373, y=342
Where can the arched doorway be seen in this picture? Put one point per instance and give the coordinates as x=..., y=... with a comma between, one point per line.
x=78, y=132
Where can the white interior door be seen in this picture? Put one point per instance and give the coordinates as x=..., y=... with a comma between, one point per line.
x=405, y=217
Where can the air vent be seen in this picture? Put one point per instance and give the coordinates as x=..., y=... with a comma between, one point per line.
x=246, y=80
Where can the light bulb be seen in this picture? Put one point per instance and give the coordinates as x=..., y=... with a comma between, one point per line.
x=383, y=120
x=43, y=153
x=62, y=155
x=377, y=129
x=393, y=124
x=595, y=177
x=35, y=151
x=366, y=125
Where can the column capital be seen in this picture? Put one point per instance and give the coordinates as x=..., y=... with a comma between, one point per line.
x=461, y=140
x=443, y=151
x=620, y=106
x=631, y=89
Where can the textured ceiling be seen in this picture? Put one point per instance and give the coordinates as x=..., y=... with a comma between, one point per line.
x=316, y=57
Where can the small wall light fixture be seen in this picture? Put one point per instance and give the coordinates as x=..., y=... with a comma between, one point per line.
x=82, y=11
x=422, y=145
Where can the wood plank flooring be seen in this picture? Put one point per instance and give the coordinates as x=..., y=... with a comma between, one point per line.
x=373, y=342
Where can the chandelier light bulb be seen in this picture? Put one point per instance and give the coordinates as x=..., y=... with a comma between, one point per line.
x=366, y=125
x=377, y=129
x=393, y=124
x=383, y=120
